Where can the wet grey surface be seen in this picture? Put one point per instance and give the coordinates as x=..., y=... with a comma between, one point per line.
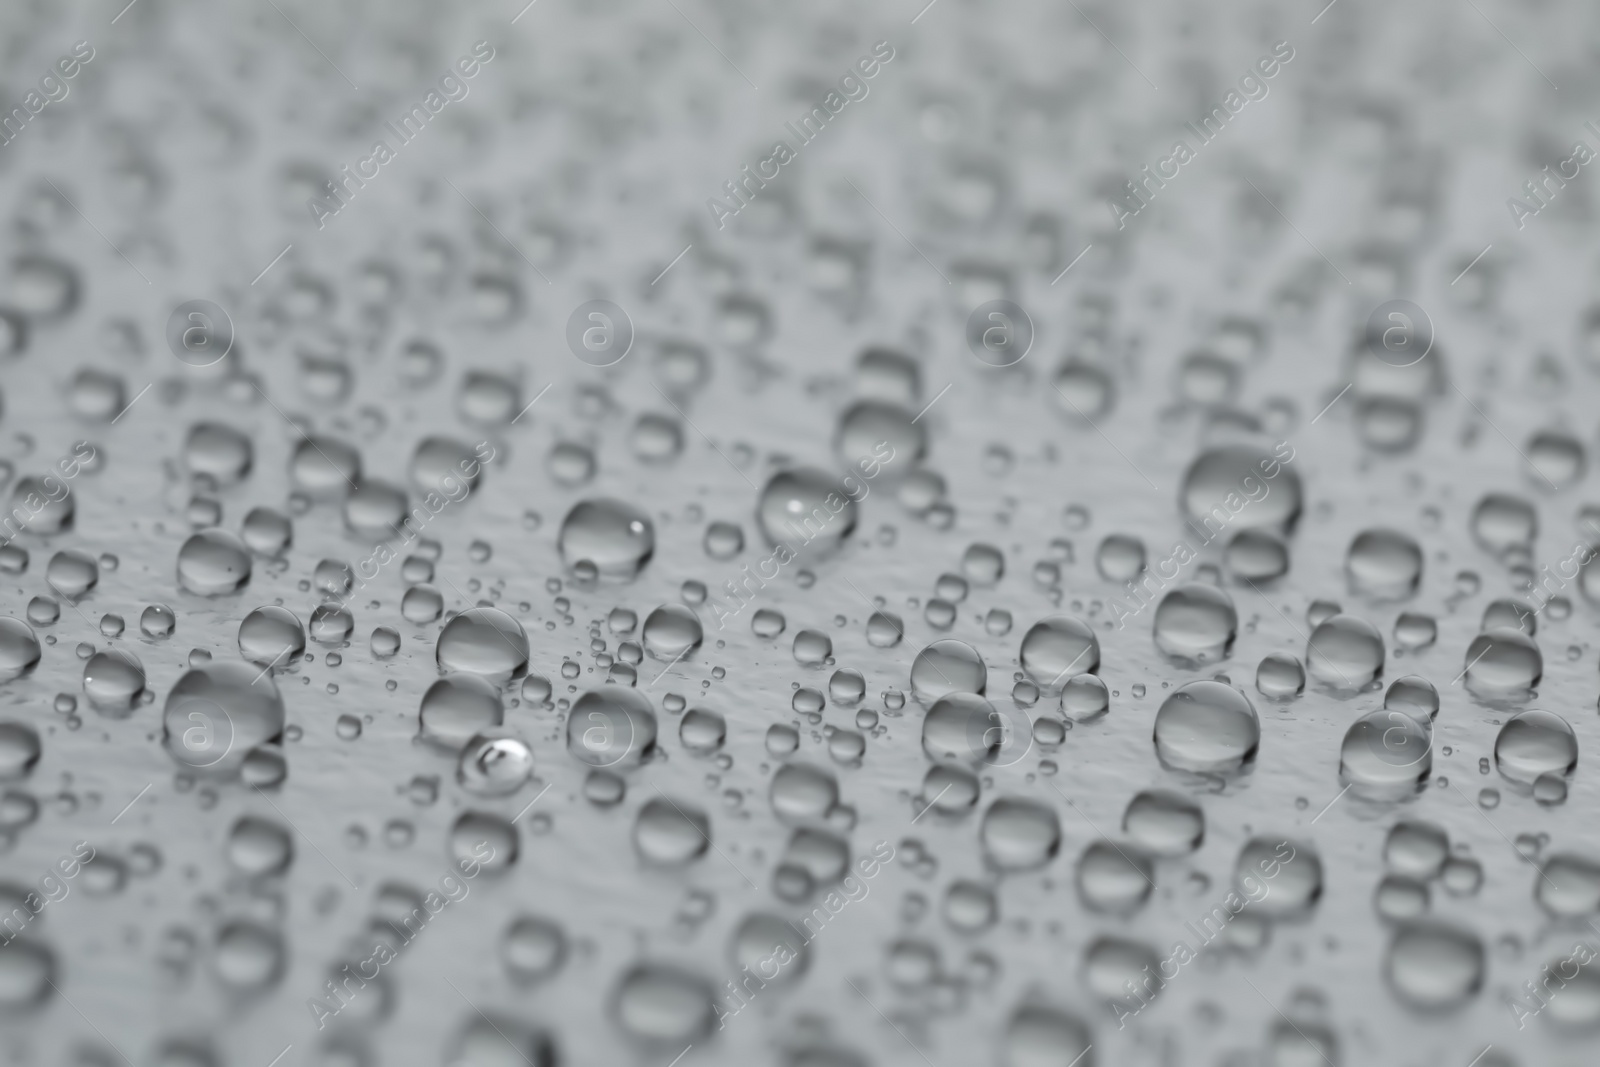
x=1288, y=456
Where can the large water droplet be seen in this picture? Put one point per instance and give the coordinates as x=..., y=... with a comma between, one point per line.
x=1384, y=564
x=671, y=632
x=1057, y=647
x=1207, y=727
x=271, y=634
x=483, y=641
x=1345, y=652
x=1243, y=487
x=455, y=708
x=617, y=538
x=19, y=648
x=671, y=833
x=1503, y=663
x=945, y=667
x=1434, y=967
x=662, y=1005
x=213, y=563
x=1164, y=823
x=1386, y=755
x=113, y=680
x=1196, y=623
x=1533, y=743
x=1019, y=835
x=806, y=509
x=611, y=726
x=218, y=713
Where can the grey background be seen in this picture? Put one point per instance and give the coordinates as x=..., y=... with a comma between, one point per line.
x=589, y=145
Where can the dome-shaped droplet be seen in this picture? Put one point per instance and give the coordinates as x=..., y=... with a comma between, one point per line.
x=72, y=574
x=249, y=956
x=665, y=1006
x=218, y=713
x=702, y=732
x=1164, y=823
x=723, y=540
x=266, y=532
x=806, y=509
x=1082, y=390
x=871, y=433
x=671, y=832
x=963, y=728
x=1196, y=623
x=1058, y=647
x=533, y=949
x=156, y=622
x=769, y=948
x=1532, y=743
x=1286, y=874
x=213, y=562
x=611, y=726
x=446, y=466
x=1501, y=521
x=1416, y=849
x=1207, y=727
x=801, y=793
x=219, y=451
x=1113, y=965
x=617, y=538
x=331, y=625
x=19, y=648
x=1042, y=1036
x=325, y=467
x=812, y=648
x=1384, y=565
x=114, y=681
x=1399, y=898
x=983, y=564
x=376, y=510
x=1503, y=663
x=1433, y=967
x=45, y=505
x=1019, y=834
x=1555, y=459
x=1413, y=695
x=945, y=667
x=258, y=846
x=421, y=605
x=1257, y=556
x=1345, y=652
x=486, y=838
x=1242, y=487
x=1280, y=676
x=656, y=438
x=483, y=641
x=19, y=750
x=96, y=395
x=1386, y=754
x=1508, y=614
x=457, y=707
x=494, y=762
x=1568, y=885
x=271, y=634
x=27, y=973
x=1113, y=880
x=970, y=906
x=1084, y=698
x=671, y=632
x=1120, y=557
x=884, y=629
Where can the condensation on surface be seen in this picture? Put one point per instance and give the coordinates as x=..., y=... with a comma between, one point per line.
x=1036, y=535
